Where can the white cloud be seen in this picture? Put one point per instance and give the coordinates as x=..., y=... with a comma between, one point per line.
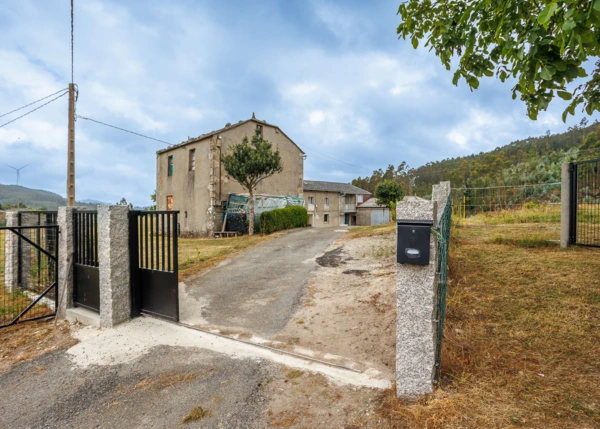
x=346, y=87
x=316, y=117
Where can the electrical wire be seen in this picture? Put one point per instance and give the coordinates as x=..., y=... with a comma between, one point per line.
x=123, y=129
x=335, y=159
x=37, y=108
x=37, y=101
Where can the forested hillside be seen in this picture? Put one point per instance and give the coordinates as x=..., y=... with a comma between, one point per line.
x=528, y=161
x=32, y=198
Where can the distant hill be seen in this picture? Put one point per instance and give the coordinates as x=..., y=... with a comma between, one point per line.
x=95, y=202
x=34, y=198
x=528, y=161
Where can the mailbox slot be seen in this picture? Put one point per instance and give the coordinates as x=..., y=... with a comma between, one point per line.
x=413, y=241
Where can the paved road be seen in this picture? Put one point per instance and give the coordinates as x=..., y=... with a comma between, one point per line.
x=257, y=290
x=155, y=391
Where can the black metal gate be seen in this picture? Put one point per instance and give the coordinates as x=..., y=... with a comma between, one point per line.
x=86, y=275
x=28, y=273
x=584, y=205
x=154, y=266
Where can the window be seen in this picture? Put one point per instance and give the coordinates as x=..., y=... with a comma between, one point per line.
x=325, y=218
x=170, y=202
x=359, y=198
x=311, y=200
x=170, y=166
x=326, y=202
x=259, y=130
x=192, y=159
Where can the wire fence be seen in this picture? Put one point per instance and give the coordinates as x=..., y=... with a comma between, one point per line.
x=511, y=211
x=443, y=233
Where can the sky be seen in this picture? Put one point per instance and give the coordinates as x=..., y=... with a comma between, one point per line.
x=332, y=74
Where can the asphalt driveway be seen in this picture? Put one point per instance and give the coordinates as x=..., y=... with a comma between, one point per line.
x=257, y=290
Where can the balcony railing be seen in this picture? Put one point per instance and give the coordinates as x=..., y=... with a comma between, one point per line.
x=349, y=207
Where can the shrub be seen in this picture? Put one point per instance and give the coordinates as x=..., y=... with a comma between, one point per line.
x=285, y=218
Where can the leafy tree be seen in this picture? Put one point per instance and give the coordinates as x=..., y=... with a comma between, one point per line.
x=388, y=193
x=543, y=44
x=124, y=202
x=153, y=198
x=249, y=163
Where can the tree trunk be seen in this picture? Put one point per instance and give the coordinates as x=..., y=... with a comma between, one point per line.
x=251, y=220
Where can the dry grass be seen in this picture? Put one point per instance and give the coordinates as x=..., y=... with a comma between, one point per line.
x=525, y=214
x=197, y=414
x=199, y=254
x=27, y=341
x=369, y=231
x=521, y=342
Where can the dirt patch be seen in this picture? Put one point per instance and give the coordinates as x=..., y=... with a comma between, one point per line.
x=310, y=401
x=360, y=273
x=347, y=313
x=28, y=340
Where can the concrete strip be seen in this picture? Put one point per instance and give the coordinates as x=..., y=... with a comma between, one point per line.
x=128, y=342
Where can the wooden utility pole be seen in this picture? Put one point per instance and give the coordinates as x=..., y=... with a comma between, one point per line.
x=71, y=155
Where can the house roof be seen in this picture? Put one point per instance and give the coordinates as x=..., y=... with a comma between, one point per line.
x=371, y=204
x=220, y=130
x=342, y=188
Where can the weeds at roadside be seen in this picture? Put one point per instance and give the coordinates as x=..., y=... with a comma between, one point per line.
x=293, y=373
x=197, y=414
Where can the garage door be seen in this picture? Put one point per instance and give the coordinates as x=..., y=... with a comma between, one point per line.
x=376, y=217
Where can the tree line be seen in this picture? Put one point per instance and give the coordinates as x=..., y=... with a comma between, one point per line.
x=526, y=161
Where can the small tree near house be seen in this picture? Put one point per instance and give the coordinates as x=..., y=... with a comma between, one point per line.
x=388, y=193
x=249, y=163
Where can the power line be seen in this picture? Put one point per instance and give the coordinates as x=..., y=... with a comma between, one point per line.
x=37, y=108
x=335, y=159
x=37, y=101
x=123, y=129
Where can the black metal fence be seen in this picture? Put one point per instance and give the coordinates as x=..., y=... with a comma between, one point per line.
x=86, y=285
x=584, y=225
x=28, y=273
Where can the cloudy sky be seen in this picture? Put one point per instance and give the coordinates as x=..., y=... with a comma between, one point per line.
x=331, y=74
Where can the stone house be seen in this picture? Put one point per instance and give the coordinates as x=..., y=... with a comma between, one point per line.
x=332, y=203
x=190, y=176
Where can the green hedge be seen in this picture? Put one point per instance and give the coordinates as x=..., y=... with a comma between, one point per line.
x=286, y=218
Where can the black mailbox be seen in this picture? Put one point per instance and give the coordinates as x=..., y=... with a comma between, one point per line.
x=413, y=242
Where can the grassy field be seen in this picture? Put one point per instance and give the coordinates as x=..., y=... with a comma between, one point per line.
x=198, y=254
x=521, y=341
x=544, y=214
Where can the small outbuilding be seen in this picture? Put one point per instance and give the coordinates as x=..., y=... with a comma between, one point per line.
x=371, y=213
